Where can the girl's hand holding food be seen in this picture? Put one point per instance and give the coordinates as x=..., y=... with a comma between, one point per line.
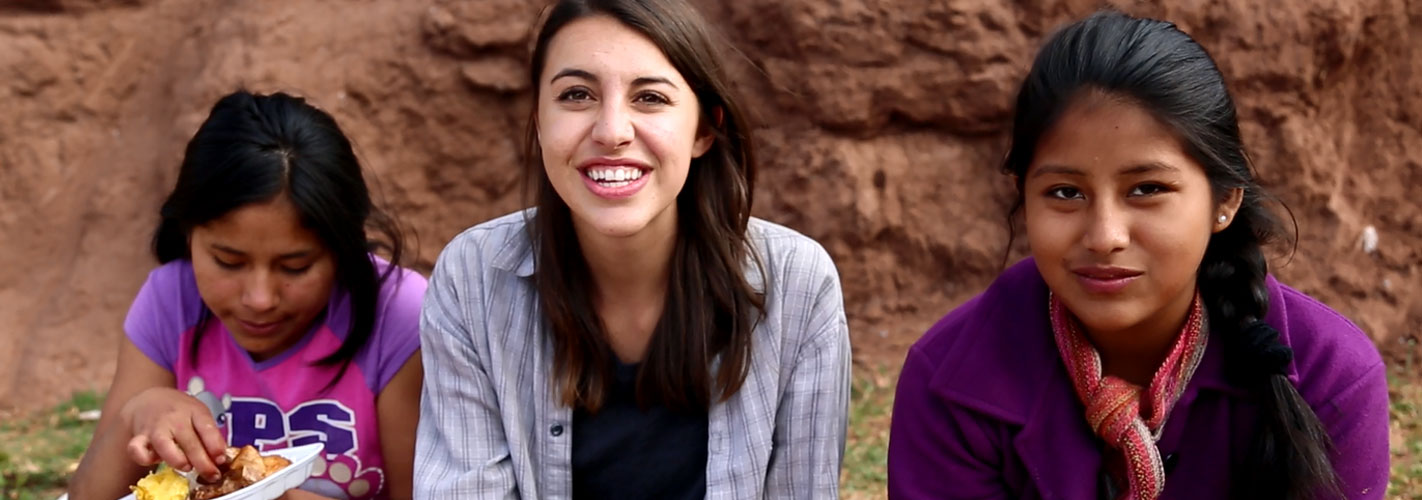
x=170, y=426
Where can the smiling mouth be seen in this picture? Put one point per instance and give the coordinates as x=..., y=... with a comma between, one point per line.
x=614, y=176
x=1106, y=273
x=615, y=180
x=260, y=328
x=1105, y=280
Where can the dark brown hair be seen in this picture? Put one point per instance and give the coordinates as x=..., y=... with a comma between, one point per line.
x=711, y=308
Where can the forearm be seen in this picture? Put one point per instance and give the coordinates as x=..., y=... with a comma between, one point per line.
x=106, y=471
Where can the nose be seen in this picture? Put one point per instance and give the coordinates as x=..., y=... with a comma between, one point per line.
x=261, y=292
x=613, y=129
x=1108, y=231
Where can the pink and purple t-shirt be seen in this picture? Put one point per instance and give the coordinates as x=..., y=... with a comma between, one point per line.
x=284, y=401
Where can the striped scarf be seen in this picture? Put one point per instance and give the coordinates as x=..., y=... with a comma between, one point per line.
x=1113, y=405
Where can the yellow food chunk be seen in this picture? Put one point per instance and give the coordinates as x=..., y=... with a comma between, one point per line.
x=165, y=484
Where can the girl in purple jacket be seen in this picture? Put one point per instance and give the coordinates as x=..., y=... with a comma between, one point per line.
x=1143, y=351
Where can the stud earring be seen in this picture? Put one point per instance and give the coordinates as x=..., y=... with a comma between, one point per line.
x=1223, y=218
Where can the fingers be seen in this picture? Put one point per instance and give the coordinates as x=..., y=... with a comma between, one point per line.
x=212, y=439
x=192, y=447
x=141, y=452
x=169, y=451
x=177, y=429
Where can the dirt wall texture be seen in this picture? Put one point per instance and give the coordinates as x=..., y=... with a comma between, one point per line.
x=881, y=126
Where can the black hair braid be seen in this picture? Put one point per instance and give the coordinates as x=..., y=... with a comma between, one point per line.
x=1153, y=64
x=1291, y=448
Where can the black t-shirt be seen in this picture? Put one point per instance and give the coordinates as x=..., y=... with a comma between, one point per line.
x=623, y=452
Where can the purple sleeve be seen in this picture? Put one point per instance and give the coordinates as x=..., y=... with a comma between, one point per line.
x=935, y=451
x=1357, y=421
x=1342, y=375
x=166, y=306
x=397, y=327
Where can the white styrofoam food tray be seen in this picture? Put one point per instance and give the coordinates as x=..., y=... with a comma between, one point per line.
x=288, y=478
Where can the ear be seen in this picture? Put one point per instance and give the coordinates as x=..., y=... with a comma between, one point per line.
x=1224, y=213
x=706, y=135
x=703, y=144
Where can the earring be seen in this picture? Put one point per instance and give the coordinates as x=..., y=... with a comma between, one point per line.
x=1223, y=218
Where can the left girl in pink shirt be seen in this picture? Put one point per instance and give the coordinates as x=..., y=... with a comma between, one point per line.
x=269, y=322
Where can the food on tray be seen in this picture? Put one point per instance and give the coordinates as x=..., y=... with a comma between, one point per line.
x=244, y=466
x=163, y=484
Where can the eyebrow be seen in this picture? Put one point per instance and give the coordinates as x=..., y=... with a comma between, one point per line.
x=640, y=81
x=289, y=255
x=648, y=80
x=1148, y=167
x=573, y=73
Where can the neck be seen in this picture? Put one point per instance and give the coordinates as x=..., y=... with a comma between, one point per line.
x=630, y=275
x=635, y=266
x=1136, y=353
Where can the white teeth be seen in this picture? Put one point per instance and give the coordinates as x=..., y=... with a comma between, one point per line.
x=614, y=174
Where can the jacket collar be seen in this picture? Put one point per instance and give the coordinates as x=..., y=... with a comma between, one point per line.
x=1011, y=370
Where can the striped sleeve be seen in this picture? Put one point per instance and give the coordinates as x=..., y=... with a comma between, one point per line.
x=460, y=450
x=812, y=416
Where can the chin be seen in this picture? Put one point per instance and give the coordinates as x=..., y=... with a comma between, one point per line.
x=618, y=230
x=1103, y=315
x=613, y=223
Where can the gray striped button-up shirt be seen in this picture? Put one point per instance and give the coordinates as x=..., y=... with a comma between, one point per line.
x=491, y=425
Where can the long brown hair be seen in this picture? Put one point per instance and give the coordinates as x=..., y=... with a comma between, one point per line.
x=711, y=307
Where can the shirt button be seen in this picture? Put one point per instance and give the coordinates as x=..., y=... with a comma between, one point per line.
x=556, y=430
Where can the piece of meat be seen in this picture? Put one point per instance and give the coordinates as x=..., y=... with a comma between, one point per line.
x=209, y=492
x=274, y=463
x=248, y=465
x=244, y=466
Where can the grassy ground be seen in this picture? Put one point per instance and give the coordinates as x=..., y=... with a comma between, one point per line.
x=1405, y=391
x=38, y=453
x=865, y=455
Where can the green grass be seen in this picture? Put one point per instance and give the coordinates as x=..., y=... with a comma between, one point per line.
x=866, y=454
x=37, y=454
x=1405, y=433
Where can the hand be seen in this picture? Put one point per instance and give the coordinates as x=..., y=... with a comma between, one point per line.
x=170, y=426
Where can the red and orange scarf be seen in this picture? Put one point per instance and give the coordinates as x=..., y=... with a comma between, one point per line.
x=1113, y=405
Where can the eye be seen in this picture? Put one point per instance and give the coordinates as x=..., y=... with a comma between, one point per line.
x=230, y=266
x=294, y=271
x=575, y=94
x=1148, y=189
x=1064, y=193
x=650, y=97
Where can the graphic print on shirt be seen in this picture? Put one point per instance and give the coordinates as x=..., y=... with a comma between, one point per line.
x=197, y=388
x=338, y=472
